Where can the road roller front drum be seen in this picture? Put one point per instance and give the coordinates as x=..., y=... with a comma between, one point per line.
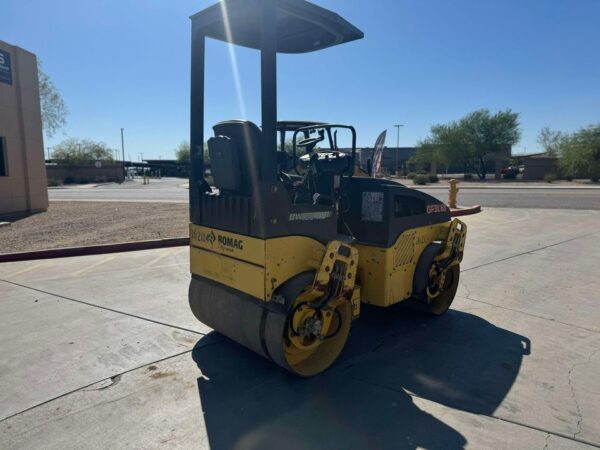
x=314, y=338
x=289, y=335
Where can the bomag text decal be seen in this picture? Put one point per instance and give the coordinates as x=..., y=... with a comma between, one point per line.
x=230, y=242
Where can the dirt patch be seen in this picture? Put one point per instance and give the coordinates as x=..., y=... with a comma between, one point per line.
x=159, y=375
x=69, y=224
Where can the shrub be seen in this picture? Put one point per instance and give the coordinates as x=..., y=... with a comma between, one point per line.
x=595, y=179
x=468, y=176
x=510, y=175
x=53, y=182
x=549, y=177
x=69, y=180
x=411, y=175
x=433, y=178
x=569, y=177
x=83, y=180
x=420, y=179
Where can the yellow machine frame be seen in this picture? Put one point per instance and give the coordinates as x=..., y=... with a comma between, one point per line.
x=258, y=266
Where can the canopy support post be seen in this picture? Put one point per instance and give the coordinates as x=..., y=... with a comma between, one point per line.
x=268, y=69
x=197, y=182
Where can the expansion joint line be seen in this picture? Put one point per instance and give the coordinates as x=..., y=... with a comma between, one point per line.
x=573, y=396
x=529, y=252
x=105, y=308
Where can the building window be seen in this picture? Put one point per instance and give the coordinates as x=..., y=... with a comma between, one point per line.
x=3, y=158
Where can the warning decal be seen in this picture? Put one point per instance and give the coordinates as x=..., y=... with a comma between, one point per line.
x=372, y=207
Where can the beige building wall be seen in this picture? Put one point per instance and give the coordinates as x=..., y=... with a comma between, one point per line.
x=23, y=187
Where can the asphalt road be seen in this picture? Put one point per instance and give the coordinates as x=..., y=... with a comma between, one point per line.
x=544, y=198
x=170, y=190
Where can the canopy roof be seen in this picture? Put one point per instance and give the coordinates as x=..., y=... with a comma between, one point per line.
x=293, y=125
x=301, y=26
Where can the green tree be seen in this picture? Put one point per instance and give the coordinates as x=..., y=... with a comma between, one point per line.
x=487, y=134
x=82, y=151
x=452, y=141
x=580, y=152
x=429, y=152
x=472, y=139
x=551, y=141
x=182, y=152
x=446, y=144
x=53, y=108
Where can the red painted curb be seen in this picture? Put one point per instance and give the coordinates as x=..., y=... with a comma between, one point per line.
x=93, y=249
x=465, y=211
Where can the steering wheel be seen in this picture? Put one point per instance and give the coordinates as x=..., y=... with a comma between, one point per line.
x=309, y=142
x=286, y=180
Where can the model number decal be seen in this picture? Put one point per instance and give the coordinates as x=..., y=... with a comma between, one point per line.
x=432, y=209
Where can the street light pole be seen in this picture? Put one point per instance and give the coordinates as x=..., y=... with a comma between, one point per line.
x=397, y=145
x=123, y=151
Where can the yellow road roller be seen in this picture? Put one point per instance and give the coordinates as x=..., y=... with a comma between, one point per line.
x=285, y=244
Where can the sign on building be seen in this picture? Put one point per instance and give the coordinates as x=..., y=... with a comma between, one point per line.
x=5, y=68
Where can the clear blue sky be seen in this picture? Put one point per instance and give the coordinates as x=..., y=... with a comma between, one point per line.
x=126, y=64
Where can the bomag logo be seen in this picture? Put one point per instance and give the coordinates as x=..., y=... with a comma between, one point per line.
x=230, y=242
x=210, y=238
x=207, y=237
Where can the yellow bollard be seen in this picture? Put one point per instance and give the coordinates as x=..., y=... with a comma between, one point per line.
x=453, y=193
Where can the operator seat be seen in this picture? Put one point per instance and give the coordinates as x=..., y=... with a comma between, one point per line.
x=234, y=156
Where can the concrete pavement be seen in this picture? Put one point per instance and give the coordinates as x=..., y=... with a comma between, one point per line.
x=102, y=351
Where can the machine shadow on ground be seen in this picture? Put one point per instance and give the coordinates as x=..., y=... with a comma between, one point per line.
x=458, y=360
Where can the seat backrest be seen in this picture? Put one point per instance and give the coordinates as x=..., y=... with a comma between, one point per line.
x=246, y=139
x=225, y=164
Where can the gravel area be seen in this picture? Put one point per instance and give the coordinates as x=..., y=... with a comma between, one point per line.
x=68, y=224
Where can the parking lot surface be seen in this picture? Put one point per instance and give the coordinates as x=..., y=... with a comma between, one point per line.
x=103, y=352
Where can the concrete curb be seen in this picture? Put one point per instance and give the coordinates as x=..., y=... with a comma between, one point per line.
x=465, y=211
x=94, y=249
x=465, y=187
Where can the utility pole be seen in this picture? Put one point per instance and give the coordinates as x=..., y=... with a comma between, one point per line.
x=397, y=145
x=123, y=152
x=48, y=151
